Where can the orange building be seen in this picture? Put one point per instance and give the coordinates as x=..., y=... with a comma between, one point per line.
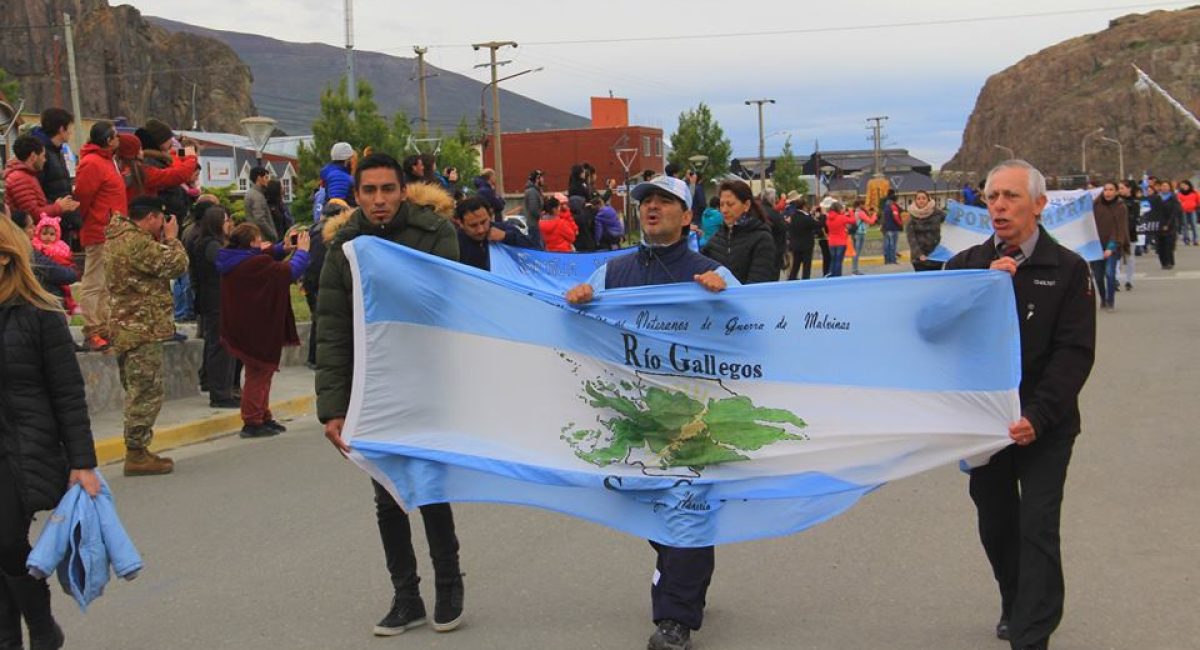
x=555, y=152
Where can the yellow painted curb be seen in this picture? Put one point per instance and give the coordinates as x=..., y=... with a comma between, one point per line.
x=111, y=450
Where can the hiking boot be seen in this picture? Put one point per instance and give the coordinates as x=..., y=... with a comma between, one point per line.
x=143, y=462
x=96, y=343
x=407, y=612
x=257, y=431
x=670, y=635
x=275, y=426
x=448, y=606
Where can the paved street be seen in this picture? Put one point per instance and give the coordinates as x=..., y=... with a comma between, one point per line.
x=272, y=543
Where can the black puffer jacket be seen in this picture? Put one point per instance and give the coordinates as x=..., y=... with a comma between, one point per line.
x=206, y=281
x=747, y=250
x=45, y=431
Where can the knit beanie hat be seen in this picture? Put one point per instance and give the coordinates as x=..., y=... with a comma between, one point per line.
x=129, y=147
x=156, y=133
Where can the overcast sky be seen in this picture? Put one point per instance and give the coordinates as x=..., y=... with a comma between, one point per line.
x=828, y=65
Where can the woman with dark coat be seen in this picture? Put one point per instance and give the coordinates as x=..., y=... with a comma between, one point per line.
x=1129, y=193
x=1112, y=224
x=744, y=243
x=256, y=316
x=217, y=367
x=45, y=434
x=924, y=232
x=281, y=216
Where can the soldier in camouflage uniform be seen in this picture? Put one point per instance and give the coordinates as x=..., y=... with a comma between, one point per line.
x=142, y=255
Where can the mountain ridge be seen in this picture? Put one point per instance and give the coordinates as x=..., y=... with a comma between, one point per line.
x=284, y=71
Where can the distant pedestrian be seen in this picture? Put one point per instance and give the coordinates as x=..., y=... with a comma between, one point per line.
x=45, y=436
x=100, y=191
x=485, y=186
x=710, y=220
x=557, y=226
x=863, y=219
x=837, y=224
x=802, y=236
x=1129, y=191
x=142, y=255
x=1189, y=201
x=477, y=230
x=55, y=176
x=924, y=232
x=1112, y=224
x=610, y=230
x=257, y=320
x=1166, y=211
x=217, y=368
x=281, y=216
x=257, y=208
x=336, y=175
x=891, y=223
x=534, y=195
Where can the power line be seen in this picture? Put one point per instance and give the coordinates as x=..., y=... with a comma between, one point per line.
x=820, y=30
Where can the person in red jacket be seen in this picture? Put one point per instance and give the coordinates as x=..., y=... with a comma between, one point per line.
x=557, y=226
x=1189, y=200
x=146, y=179
x=101, y=194
x=836, y=223
x=23, y=191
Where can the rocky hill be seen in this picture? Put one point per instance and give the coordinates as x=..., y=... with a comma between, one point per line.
x=289, y=78
x=126, y=66
x=1044, y=105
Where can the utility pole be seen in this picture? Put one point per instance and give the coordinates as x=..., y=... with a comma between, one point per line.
x=877, y=131
x=77, y=132
x=762, y=150
x=421, y=77
x=498, y=148
x=351, y=83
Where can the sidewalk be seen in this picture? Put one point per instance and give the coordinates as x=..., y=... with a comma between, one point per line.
x=189, y=420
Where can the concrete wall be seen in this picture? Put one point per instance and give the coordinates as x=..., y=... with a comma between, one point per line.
x=181, y=377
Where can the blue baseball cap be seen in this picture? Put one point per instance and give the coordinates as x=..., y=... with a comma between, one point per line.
x=668, y=184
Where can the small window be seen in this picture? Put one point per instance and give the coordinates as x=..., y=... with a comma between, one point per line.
x=286, y=184
x=243, y=184
x=661, y=153
x=646, y=146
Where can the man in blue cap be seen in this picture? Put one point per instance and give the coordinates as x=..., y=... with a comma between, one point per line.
x=682, y=575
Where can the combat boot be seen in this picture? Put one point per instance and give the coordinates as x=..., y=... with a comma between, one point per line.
x=143, y=462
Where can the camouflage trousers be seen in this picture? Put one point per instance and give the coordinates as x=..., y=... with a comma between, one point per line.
x=142, y=378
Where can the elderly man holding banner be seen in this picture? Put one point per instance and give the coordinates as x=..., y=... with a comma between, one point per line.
x=1018, y=494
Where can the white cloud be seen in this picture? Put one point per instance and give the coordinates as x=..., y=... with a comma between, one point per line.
x=924, y=73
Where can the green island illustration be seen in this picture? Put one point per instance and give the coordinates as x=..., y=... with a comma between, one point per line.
x=678, y=429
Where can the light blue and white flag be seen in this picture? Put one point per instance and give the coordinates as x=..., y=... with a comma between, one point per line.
x=669, y=412
x=546, y=270
x=1068, y=218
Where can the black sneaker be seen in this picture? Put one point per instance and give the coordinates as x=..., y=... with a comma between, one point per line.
x=670, y=635
x=1129, y=286
x=257, y=431
x=448, y=607
x=1002, y=630
x=274, y=426
x=406, y=613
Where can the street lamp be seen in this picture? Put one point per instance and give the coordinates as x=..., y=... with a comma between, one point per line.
x=259, y=130
x=497, y=150
x=1011, y=154
x=762, y=150
x=1083, y=147
x=1120, y=155
x=699, y=162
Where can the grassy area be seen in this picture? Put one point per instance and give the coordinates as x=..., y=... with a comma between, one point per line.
x=299, y=304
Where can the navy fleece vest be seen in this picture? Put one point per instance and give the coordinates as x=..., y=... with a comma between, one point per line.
x=647, y=266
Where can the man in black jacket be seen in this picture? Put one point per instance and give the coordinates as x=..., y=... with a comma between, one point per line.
x=1018, y=494
x=55, y=177
x=476, y=230
x=802, y=235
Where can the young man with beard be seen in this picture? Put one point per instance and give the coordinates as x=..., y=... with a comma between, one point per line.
x=1018, y=493
x=386, y=211
x=476, y=230
x=682, y=575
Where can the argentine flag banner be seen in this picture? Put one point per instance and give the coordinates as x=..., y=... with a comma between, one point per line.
x=671, y=413
x=1067, y=217
x=546, y=270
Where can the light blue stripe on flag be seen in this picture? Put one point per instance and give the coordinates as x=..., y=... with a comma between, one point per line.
x=711, y=429
x=1069, y=221
x=545, y=270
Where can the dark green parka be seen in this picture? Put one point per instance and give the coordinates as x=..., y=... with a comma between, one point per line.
x=415, y=226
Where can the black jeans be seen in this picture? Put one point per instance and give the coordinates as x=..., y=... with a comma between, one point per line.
x=395, y=531
x=311, y=299
x=1166, y=249
x=14, y=524
x=826, y=257
x=681, y=585
x=1018, y=496
x=802, y=256
x=217, y=368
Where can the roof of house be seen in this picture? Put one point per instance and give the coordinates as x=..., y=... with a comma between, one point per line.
x=287, y=146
